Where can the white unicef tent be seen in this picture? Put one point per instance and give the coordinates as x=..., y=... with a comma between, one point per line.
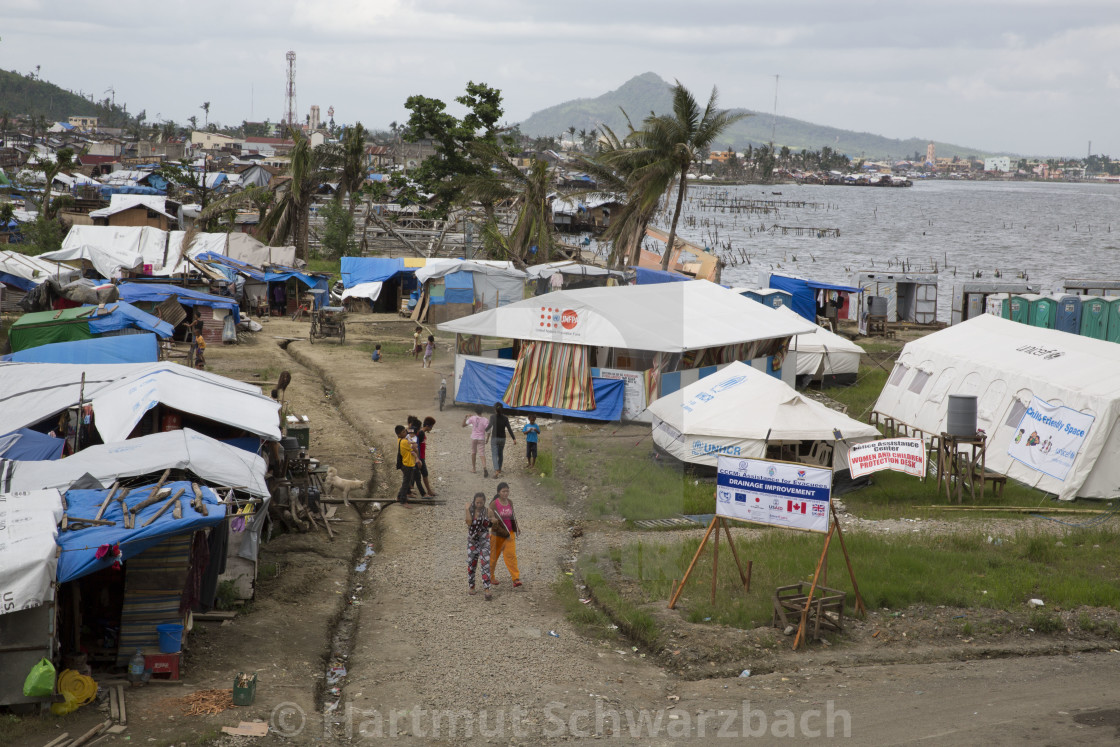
x=825, y=355
x=121, y=393
x=736, y=411
x=211, y=460
x=665, y=317
x=1005, y=364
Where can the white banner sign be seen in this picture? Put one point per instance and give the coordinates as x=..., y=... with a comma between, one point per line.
x=1049, y=437
x=634, y=397
x=899, y=454
x=795, y=496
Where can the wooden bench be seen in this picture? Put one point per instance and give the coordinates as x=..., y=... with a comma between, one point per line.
x=997, y=480
x=826, y=610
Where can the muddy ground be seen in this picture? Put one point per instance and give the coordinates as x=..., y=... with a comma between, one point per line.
x=427, y=663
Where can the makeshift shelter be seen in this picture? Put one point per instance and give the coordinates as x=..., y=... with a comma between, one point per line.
x=454, y=288
x=114, y=250
x=742, y=412
x=1006, y=365
x=153, y=396
x=812, y=298
x=484, y=383
x=824, y=356
x=83, y=323
x=213, y=310
x=20, y=273
x=29, y=445
x=572, y=274
x=140, y=348
x=384, y=281
x=911, y=296
x=245, y=248
x=651, y=276
x=657, y=338
x=771, y=297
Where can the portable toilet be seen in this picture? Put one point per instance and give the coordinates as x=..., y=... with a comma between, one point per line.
x=772, y=297
x=993, y=304
x=1094, y=317
x=1067, y=313
x=1018, y=308
x=1113, y=332
x=1044, y=312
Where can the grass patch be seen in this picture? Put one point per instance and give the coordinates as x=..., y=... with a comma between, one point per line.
x=589, y=619
x=391, y=350
x=638, y=625
x=333, y=267
x=552, y=485
x=894, y=572
x=861, y=396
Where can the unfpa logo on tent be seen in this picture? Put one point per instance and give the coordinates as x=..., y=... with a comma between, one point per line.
x=558, y=318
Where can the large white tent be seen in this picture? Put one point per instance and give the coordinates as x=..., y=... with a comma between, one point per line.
x=211, y=460
x=1005, y=365
x=28, y=551
x=824, y=355
x=34, y=269
x=121, y=393
x=738, y=410
x=110, y=249
x=666, y=317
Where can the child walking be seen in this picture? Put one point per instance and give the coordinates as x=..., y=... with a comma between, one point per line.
x=416, y=342
x=479, y=520
x=532, y=432
x=429, y=351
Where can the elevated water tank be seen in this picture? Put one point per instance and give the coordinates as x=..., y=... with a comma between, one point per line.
x=960, y=419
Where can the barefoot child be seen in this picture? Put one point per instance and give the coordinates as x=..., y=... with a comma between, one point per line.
x=532, y=432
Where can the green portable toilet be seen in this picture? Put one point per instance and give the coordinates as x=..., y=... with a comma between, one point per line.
x=1018, y=308
x=1094, y=317
x=1113, y=332
x=1044, y=312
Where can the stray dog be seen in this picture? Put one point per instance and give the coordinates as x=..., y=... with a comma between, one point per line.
x=345, y=486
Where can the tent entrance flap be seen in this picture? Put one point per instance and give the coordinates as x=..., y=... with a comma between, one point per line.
x=551, y=374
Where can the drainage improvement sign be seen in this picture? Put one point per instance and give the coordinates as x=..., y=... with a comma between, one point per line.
x=781, y=494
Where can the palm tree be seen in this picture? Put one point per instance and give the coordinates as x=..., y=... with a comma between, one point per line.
x=672, y=142
x=572, y=135
x=290, y=214
x=206, y=110
x=63, y=162
x=353, y=156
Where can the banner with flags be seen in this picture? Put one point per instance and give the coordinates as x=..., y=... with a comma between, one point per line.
x=782, y=494
x=899, y=454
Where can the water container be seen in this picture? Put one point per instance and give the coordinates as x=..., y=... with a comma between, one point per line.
x=136, y=666
x=171, y=634
x=877, y=305
x=961, y=418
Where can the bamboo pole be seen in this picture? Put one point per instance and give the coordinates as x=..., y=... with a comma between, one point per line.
x=691, y=565
x=812, y=588
x=107, y=501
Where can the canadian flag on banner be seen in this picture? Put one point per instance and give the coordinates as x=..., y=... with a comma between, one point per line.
x=796, y=507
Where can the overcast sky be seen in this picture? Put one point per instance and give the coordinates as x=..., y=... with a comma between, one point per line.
x=1037, y=77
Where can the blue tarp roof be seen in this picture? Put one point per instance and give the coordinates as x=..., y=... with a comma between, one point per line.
x=803, y=292
x=126, y=315
x=158, y=292
x=79, y=547
x=356, y=270
x=21, y=283
x=142, y=348
x=236, y=264
x=486, y=383
x=129, y=190
x=26, y=445
x=647, y=276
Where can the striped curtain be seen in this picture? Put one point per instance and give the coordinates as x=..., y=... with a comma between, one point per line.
x=551, y=374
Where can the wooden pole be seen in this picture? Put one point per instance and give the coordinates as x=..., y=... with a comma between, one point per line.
x=107, y=501
x=691, y=565
x=746, y=579
x=860, y=607
x=812, y=588
x=81, y=399
x=173, y=499
x=715, y=563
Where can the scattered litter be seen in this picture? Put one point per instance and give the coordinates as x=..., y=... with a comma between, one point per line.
x=707, y=619
x=247, y=729
x=335, y=674
x=612, y=626
x=958, y=617
x=633, y=648
x=620, y=652
x=1036, y=603
x=585, y=601
x=876, y=634
x=361, y=567
x=203, y=702
x=744, y=674
x=554, y=634
x=789, y=630
x=369, y=551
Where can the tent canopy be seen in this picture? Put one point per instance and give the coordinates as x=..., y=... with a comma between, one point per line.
x=486, y=383
x=1005, y=365
x=28, y=445
x=28, y=549
x=82, y=323
x=667, y=317
x=112, y=248
x=78, y=549
x=569, y=267
x=26, y=272
x=437, y=268
x=804, y=291
x=121, y=394
x=210, y=460
x=142, y=348
x=649, y=276
x=356, y=270
x=824, y=353
x=735, y=411
x=159, y=292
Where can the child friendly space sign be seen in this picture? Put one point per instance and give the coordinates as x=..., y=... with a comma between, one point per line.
x=1049, y=437
x=783, y=494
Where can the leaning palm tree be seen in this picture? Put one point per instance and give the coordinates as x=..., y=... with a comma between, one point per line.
x=352, y=155
x=290, y=214
x=671, y=143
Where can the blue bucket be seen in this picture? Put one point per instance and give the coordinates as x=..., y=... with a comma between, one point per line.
x=170, y=638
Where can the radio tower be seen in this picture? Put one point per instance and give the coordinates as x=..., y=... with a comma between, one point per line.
x=290, y=118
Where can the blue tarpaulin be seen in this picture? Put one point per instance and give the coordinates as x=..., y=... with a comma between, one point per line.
x=804, y=292
x=648, y=276
x=139, y=348
x=486, y=383
x=356, y=270
x=125, y=315
x=129, y=190
x=458, y=287
x=79, y=548
x=14, y=280
x=26, y=445
x=159, y=292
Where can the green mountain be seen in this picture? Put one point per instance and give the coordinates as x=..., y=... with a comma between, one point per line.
x=23, y=95
x=648, y=92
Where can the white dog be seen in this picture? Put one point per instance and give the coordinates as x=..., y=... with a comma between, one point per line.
x=345, y=486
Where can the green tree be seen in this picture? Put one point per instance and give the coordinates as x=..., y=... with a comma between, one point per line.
x=63, y=162
x=672, y=142
x=290, y=214
x=337, y=234
x=454, y=163
x=353, y=157
x=193, y=184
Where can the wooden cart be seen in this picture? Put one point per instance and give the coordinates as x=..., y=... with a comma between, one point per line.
x=328, y=321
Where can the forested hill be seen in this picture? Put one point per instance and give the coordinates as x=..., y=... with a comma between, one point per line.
x=648, y=92
x=20, y=94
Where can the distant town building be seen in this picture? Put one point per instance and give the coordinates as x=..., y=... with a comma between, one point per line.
x=212, y=140
x=931, y=154
x=85, y=123
x=997, y=163
x=314, y=121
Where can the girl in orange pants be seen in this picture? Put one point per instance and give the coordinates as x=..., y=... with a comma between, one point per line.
x=504, y=546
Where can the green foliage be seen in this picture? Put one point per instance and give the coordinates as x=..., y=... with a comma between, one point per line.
x=587, y=618
x=635, y=623
x=337, y=234
x=27, y=94
x=42, y=235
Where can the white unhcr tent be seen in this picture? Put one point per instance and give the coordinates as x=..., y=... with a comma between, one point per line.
x=1005, y=365
x=121, y=393
x=823, y=355
x=34, y=269
x=28, y=551
x=666, y=317
x=210, y=460
x=739, y=410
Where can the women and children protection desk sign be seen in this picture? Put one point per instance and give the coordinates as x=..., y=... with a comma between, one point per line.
x=782, y=494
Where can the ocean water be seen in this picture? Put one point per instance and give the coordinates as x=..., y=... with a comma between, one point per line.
x=1048, y=231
